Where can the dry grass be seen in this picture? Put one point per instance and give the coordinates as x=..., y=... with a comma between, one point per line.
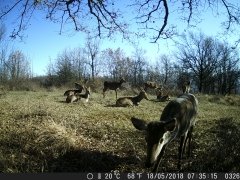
x=41, y=133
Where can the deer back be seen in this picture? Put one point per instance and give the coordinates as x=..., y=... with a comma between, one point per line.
x=184, y=109
x=124, y=102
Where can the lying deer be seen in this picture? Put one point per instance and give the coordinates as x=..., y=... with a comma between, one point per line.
x=77, y=97
x=131, y=101
x=151, y=85
x=177, y=121
x=79, y=88
x=162, y=98
x=112, y=86
x=72, y=92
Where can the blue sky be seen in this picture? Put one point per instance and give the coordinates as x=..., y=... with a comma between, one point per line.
x=43, y=41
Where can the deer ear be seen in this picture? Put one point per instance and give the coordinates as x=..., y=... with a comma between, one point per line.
x=139, y=124
x=170, y=125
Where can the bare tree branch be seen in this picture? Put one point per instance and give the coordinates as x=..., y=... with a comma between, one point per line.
x=165, y=21
x=152, y=16
x=10, y=9
x=231, y=17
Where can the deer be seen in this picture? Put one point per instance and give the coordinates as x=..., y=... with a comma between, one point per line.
x=81, y=86
x=72, y=92
x=162, y=98
x=77, y=97
x=177, y=121
x=132, y=101
x=151, y=85
x=186, y=87
x=112, y=86
x=79, y=89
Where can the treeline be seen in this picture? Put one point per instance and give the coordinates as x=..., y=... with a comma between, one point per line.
x=212, y=66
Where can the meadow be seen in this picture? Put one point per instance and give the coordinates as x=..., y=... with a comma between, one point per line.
x=39, y=132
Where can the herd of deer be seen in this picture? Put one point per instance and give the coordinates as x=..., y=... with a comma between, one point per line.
x=74, y=95
x=177, y=119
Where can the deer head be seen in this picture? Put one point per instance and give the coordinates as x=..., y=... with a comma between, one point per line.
x=158, y=134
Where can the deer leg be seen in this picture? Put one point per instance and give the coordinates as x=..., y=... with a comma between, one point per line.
x=181, y=149
x=189, y=140
x=104, y=90
x=156, y=165
x=185, y=142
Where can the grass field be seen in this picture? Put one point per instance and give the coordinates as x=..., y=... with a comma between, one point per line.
x=39, y=132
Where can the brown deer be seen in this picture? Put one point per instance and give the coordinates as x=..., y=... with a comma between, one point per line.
x=162, y=98
x=77, y=97
x=131, y=101
x=151, y=85
x=112, y=86
x=72, y=92
x=177, y=121
x=79, y=88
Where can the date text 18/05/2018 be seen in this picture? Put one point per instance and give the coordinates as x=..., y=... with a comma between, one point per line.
x=193, y=176
x=164, y=176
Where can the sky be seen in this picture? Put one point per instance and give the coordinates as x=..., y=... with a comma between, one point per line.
x=43, y=42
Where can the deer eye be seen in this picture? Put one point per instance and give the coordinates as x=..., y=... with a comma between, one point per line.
x=161, y=140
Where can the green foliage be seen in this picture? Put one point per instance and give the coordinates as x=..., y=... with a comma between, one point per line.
x=42, y=133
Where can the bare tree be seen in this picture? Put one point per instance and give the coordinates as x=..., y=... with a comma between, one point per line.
x=198, y=54
x=92, y=50
x=227, y=71
x=117, y=64
x=18, y=66
x=139, y=66
x=165, y=68
x=213, y=64
x=108, y=18
x=3, y=54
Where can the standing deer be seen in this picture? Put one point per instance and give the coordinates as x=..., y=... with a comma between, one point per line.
x=131, y=101
x=77, y=97
x=112, y=86
x=177, y=121
x=186, y=87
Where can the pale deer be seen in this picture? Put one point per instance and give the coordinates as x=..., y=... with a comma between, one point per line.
x=112, y=86
x=86, y=95
x=151, y=85
x=177, y=121
x=77, y=97
x=186, y=87
x=131, y=101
